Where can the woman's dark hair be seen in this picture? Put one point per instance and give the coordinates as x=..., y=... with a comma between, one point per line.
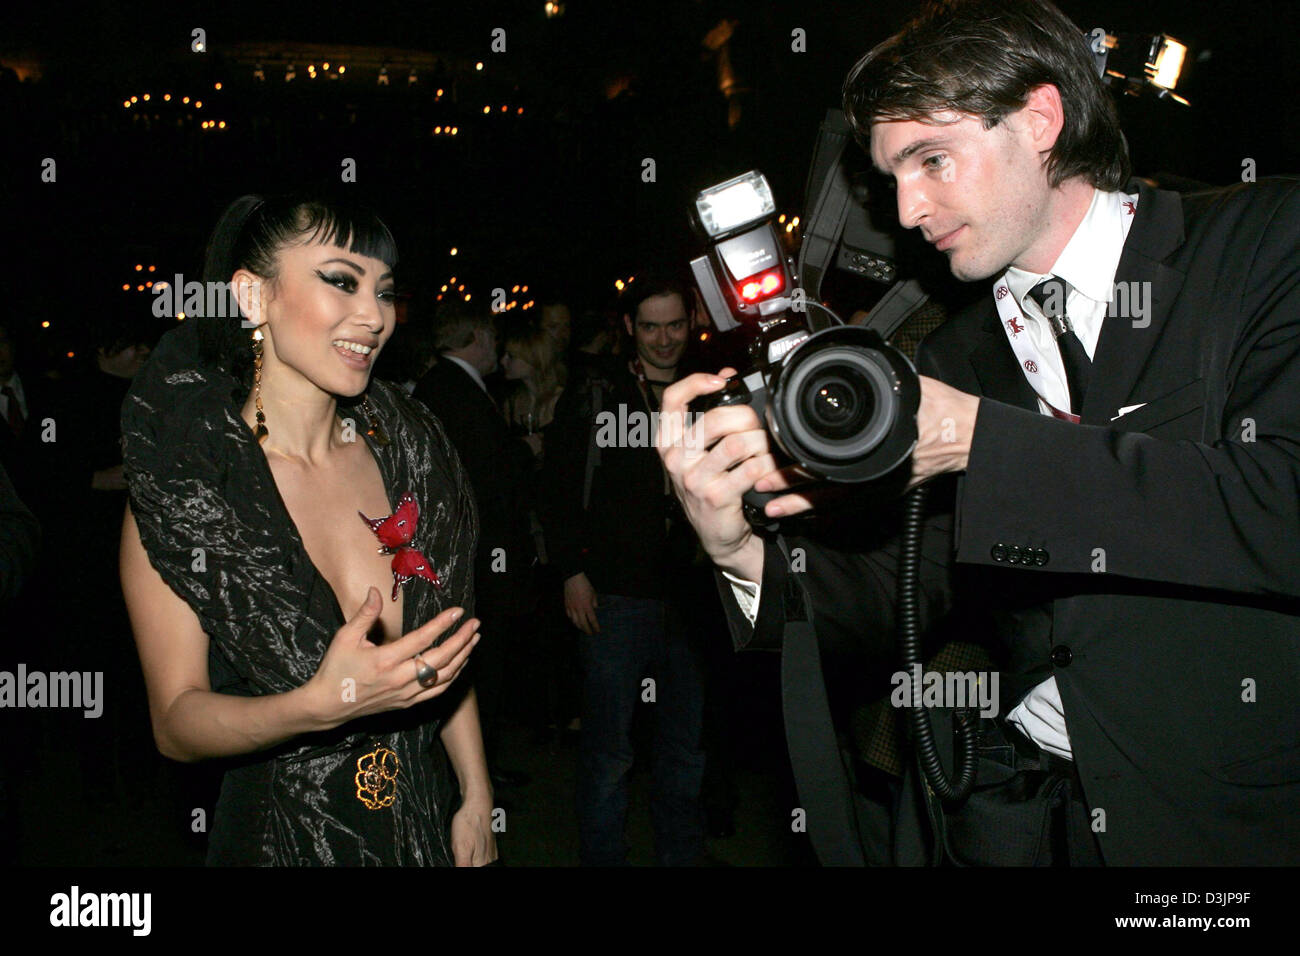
x=981, y=58
x=250, y=234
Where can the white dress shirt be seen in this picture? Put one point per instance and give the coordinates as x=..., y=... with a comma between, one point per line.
x=1087, y=265
x=16, y=384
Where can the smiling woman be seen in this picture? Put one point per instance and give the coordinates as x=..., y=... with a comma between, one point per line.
x=253, y=233
x=250, y=571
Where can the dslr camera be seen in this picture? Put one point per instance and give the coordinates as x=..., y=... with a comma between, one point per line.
x=836, y=399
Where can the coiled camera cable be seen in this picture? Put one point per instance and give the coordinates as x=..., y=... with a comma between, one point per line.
x=965, y=726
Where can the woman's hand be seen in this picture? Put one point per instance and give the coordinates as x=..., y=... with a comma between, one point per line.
x=356, y=678
x=472, y=841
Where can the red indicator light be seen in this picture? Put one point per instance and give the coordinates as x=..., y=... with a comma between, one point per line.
x=762, y=286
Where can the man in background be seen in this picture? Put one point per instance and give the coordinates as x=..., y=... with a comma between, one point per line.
x=620, y=542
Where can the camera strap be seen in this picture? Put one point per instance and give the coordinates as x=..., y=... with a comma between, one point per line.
x=825, y=222
x=825, y=218
x=820, y=776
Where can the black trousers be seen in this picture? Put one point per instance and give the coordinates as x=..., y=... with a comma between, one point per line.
x=1027, y=808
x=1073, y=831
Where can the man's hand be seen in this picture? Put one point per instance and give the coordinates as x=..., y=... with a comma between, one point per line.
x=945, y=423
x=710, y=483
x=580, y=603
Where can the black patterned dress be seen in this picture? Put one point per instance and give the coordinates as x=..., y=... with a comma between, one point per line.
x=377, y=790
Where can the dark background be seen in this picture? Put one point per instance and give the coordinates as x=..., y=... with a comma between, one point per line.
x=552, y=198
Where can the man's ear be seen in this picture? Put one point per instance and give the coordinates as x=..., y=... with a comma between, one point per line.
x=248, y=289
x=627, y=323
x=1042, y=117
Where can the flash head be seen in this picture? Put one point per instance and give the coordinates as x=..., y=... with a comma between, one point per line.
x=733, y=206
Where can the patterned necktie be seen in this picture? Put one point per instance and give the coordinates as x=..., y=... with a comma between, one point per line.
x=15, y=413
x=1050, y=296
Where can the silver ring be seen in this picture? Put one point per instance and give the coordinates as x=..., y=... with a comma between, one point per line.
x=425, y=675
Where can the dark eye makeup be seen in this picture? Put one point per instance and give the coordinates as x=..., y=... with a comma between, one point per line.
x=348, y=283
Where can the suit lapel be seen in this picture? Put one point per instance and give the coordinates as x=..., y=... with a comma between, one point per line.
x=1123, y=348
x=997, y=369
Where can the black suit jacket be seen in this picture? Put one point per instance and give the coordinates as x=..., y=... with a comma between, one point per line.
x=499, y=466
x=20, y=538
x=630, y=539
x=1178, y=664
x=28, y=459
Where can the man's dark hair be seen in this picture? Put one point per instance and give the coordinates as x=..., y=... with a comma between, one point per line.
x=653, y=282
x=981, y=58
x=589, y=324
x=454, y=327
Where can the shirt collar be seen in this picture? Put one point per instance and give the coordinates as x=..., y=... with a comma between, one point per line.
x=1089, y=260
x=473, y=372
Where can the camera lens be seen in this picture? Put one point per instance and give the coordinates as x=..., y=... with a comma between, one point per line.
x=842, y=404
x=831, y=403
x=837, y=402
x=835, y=406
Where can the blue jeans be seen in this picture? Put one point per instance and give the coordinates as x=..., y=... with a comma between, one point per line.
x=640, y=638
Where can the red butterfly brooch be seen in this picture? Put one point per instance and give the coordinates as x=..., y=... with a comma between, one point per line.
x=395, y=533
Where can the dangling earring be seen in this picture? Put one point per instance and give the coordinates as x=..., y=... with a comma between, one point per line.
x=259, y=432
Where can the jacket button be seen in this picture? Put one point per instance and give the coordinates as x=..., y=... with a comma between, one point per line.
x=999, y=552
x=1040, y=557
x=1062, y=655
x=1014, y=554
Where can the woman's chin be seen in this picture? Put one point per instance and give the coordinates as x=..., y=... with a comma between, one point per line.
x=351, y=386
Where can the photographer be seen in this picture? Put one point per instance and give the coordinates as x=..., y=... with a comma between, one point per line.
x=1120, y=480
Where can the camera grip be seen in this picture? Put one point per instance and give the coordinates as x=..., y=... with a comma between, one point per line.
x=754, y=501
